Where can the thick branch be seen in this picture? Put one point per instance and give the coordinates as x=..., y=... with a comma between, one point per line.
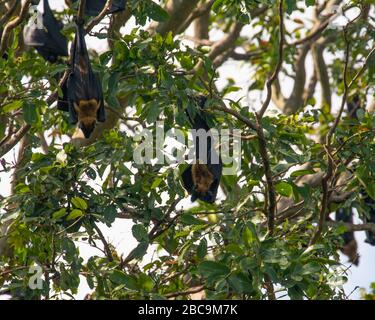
x=322, y=72
x=99, y=17
x=350, y=227
x=278, y=65
x=8, y=145
x=179, y=11
x=13, y=24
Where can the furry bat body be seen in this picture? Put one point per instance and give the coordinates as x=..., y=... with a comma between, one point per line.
x=202, y=178
x=48, y=41
x=350, y=244
x=82, y=92
x=94, y=7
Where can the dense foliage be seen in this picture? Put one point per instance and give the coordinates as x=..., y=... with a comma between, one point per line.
x=62, y=193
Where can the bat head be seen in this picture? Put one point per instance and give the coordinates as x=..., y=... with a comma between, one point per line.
x=202, y=178
x=87, y=115
x=350, y=250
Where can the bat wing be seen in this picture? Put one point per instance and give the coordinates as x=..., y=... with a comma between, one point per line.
x=370, y=236
x=345, y=215
x=212, y=159
x=94, y=7
x=188, y=179
x=62, y=102
x=49, y=41
x=83, y=84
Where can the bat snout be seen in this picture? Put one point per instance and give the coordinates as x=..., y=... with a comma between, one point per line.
x=87, y=128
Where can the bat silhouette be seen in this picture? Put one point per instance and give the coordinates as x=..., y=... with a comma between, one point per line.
x=370, y=236
x=350, y=243
x=202, y=178
x=352, y=106
x=48, y=40
x=82, y=91
x=94, y=7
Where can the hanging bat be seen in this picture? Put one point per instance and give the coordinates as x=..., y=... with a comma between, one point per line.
x=350, y=244
x=46, y=39
x=94, y=7
x=202, y=178
x=82, y=91
x=353, y=106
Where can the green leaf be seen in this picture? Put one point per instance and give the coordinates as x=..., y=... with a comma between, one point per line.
x=59, y=214
x=74, y=214
x=309, y=2
x=13, y=106
x=240, y=283
x=283, y=188
x=299, y=173
x=291, y=5
x=157, y=13
x=145, y=282
x=213, y=269
x=30, y=114
x=110, y=214
x=202, y=249
x=139, y=232
x=79, y=203
x=140, y=250
x=156, y=183
x=120, y=277
x=153, y=112
x=189, y=219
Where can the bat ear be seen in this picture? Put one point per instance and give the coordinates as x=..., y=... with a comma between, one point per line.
x=100, y=116
x=73, y=114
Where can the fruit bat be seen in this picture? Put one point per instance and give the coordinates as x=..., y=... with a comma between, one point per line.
x=370, y=236
x=353, y=106
x=94, y=7
x=350, y=244
x=202, y=178
x=47, y=38
x=82, y=91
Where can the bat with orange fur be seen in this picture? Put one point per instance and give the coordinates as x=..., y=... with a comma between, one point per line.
x=82, y=91
x=202, y=178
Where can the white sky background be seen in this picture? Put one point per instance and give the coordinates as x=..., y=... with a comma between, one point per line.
x=120, y=232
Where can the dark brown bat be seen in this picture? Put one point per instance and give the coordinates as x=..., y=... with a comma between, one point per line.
x=48, y=41
x=202, y=178
x=94, y=7
x=352, y=106
x=82, y=92
x=350, y=244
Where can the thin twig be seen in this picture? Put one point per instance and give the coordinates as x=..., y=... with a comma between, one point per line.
x=104, y=241
x=327, y=147
x=9, y=13
x=99, y=17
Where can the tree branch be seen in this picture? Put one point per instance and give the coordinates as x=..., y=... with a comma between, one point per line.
x=99, y=17
x=13, y=24
x=179, y=11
